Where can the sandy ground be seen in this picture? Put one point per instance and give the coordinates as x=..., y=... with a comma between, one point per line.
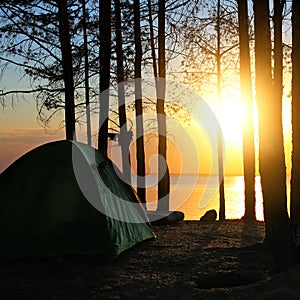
x=189, y=260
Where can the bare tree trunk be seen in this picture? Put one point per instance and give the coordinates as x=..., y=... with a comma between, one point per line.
x=295, y=179
x=140, y=152
x=154, y=64
x=277, y=20
x=163, y=171
x=124, y=137
x=86, y=76
x=271, y=151
x=67, y=66
x=105, y=53
x=220, y=142
x=247, y=99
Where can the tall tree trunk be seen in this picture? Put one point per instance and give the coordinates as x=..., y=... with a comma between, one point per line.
x=86, y=75
x=163, y=171
x=152, y=43
x=67, y=66
x=295, y=178
x=105, y=53
x=124, y=137
x=277, y=20
x=271, y=151
x=220, y=141
x=140, y=151
x=247, y=99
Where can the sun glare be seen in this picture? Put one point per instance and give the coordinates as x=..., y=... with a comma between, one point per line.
x=231, y=116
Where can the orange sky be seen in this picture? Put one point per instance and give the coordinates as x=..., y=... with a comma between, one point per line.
x=20, y=132
x=188, y=147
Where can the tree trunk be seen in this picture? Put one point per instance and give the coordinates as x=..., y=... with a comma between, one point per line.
x=67, y=66
x=140, y=152
x=86, y=76
x=295, y=178
x=271, y=151
x=154, y=64
x=220, y=141
x=105, y=53
x=277, y=20
x=163, y=171
x=124, y=136
x=247, y=99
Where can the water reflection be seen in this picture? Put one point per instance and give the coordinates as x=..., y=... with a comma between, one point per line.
x=190, y=196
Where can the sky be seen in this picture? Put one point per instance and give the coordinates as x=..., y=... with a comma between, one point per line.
x=20, y=132
x=189, y=147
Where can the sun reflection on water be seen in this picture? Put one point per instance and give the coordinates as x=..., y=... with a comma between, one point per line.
x=234, y=197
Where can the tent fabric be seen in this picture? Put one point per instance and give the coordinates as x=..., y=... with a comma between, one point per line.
x=44, y=210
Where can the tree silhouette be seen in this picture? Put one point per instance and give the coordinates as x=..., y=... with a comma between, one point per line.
x=219, y=92
x=271, y=152
x=163, y=171
x=247, y=98
x=140, y=152
x=105, y=57
x=86, y=74
x=124, y=135
x=67, y=66
x=37, y=40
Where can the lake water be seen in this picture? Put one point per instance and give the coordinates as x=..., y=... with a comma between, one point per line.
x=194, y=195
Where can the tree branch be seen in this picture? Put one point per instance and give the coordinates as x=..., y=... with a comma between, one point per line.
x=40, y=89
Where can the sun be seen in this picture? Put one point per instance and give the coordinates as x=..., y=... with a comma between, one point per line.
x=231, y=116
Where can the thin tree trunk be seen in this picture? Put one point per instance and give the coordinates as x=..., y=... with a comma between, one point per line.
x=247, y=99
x=153, y=55
x=278, y=87
x=67, y=66
x=271, y=151
x=105, y=53
x=140, y=151
x=163, y=171
x=86, y=76
x=295, y=178
x=124, y=137
x=220, y=142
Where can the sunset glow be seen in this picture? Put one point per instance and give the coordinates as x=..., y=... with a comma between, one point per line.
x=231, y=116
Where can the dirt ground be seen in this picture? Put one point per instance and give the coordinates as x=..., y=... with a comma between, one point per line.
x=189, y=260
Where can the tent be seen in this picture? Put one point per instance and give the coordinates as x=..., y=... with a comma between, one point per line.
x=64, y=197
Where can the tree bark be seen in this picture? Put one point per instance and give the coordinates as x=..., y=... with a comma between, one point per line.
x=152, y=43
x=271, y=151
x=86, y=76
x=140, y=151
x=220, y=141
x=67, y=66
x=124, y=136
x=163, y=171
x=247, y=100
x=105, y=53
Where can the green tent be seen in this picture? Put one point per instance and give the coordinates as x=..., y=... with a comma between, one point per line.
x=65, y=197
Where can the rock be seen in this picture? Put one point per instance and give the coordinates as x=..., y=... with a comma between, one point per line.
x=209, y=216
x=166, y=218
